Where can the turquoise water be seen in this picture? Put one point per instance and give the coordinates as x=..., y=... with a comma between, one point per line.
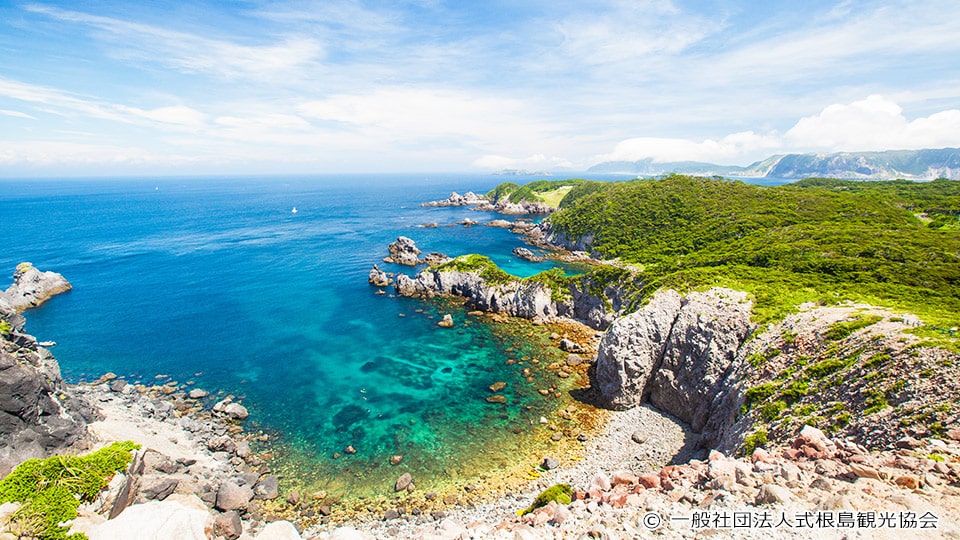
x=216, y=281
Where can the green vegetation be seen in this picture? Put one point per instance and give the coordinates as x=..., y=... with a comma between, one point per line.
x=561, y=493
x=826, y=367
x=553, y=192
x=52, y=489
x=555, y=280
x=816, y=240
x=843, y=329
x=472, y=263
x=754, y=440
x=5, y=328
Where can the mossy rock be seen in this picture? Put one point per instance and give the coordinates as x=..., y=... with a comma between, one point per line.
x=559, y=493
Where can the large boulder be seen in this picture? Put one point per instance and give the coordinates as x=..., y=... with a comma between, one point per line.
x=378, y=277
x=631, y=351
x=704, y=342
x=403, y=251
x=675, y=352
x=31, y=287
x=180, y=517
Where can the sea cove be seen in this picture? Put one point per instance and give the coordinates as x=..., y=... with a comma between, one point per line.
x=217, y=284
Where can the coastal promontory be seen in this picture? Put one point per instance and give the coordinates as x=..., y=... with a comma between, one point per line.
x=31, y=287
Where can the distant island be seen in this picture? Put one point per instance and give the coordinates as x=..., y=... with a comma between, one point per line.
x=926, y=164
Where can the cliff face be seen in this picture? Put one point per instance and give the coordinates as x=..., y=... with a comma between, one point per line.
x=38, y=414
x=520, y=298
x=677, y=352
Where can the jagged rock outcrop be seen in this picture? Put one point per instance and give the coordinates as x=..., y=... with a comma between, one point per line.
x=455, y=199
x=675, y=352
x=38, y=414
x=403, y=251
x=526, y=254
x=378, y=277
x=520, y=208
x=632, y=350
x=529, y=299
x=31, y=287
x=703, y=344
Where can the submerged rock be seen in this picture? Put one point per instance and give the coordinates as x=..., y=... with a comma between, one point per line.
x=404, y=482
x=526, y=254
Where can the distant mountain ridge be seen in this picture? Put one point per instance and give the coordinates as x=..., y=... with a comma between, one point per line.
x=925, y=164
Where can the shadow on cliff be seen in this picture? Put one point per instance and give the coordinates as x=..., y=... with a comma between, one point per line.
x=691, y=448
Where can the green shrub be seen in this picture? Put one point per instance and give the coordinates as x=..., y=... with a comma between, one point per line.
x=770, y=411
x=826, y=367
x=842, y=329
x=485, y=267
x=52, y=489
x=759, y=393
x=754, y=440
x=5, y=328
x=795, y=390
x=560, y=493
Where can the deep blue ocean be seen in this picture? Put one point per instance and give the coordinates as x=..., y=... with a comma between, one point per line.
x=216, y=282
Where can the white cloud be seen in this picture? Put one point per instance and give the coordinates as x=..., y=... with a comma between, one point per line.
x=536, y=161
x=874, y=123
x=729, y=149
x=52, y=153
x=422, y=113
x=871, y=124
x=177, y=114
x=16, y=114
x=197, y=54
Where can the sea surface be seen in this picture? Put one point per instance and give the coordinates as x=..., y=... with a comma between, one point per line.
x=217, y=284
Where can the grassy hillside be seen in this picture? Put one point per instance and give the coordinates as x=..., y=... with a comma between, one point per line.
x=889, y=243
x=552, y=192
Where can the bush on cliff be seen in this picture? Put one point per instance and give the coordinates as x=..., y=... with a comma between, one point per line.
x=52, y=489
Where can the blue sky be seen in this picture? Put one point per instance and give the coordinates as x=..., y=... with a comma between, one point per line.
x=104, y=87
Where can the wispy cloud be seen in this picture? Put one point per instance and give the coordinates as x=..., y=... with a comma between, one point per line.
x=196, y=54
x=16, y=114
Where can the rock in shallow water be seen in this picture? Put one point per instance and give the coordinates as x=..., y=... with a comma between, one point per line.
x=403, y=482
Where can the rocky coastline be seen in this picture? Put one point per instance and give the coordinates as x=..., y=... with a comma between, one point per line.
x=692, y=383
x=699, y=358
x=195, y=475
x=483, y=204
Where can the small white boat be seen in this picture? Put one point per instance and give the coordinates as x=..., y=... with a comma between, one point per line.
x=294, y=211
x=47, y=344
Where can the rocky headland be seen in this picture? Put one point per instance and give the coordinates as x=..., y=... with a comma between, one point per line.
x=484, y=204
x=31, y=287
